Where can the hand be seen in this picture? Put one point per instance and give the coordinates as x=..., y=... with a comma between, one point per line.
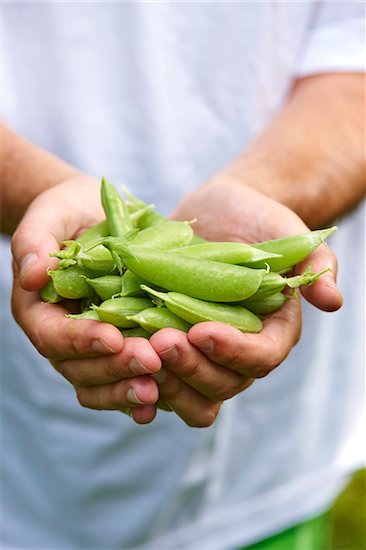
x=214, y=361
x=107, y=371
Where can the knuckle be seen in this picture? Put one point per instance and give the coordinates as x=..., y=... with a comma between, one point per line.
x=171, y=391
x=117, y=396
x=206, y=418
x=16, y=240
x=113, y=367
x=226, y=391
x=235, y=357
x=81, y=395
x=192, y=370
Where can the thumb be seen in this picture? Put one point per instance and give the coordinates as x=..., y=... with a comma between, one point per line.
x=324, y=293
x=38, y=234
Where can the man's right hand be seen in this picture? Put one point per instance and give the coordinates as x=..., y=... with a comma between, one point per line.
x=107, y=371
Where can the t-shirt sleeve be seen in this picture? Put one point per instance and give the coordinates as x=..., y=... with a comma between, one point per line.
x=335, y=39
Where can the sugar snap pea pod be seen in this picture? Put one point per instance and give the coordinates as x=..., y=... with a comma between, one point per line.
x=97, y=231
x=197, y=240
x=69, y=253
x=135, y=332
x=149, y=219
x=156, y=318
x=71, y=282
x=115, y=209
x=116, y=310
x=292, y=249
x=49, y=294
x=266, y=305
x=227, y=252
x=204, y=279
x=194, y=311
x=106, y=286
x=133, y=203
x=274, y=282
x=136, y=215
x=97, y=259
x=87, y=314
x=131, y=284
x=164, y=235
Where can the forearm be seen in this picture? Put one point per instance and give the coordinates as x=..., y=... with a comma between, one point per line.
x=312, y=155
x=25, y=171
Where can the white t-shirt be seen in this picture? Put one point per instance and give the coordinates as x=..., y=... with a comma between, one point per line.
x=160, y=95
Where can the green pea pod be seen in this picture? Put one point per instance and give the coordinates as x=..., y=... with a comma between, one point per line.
x=138, y=332
x=69, y=253
x=97, y=231
x=71, y=282
x=115, y=210
x=197, y=240
x=106, y=286
x=117, y=310
x=164, y=235
x=131, y=284
x=150, y=219
x=292, y=249
x=274, y=282
x=49, y=294
x=266, y=305
x=88, y=314
x=156, y=318
x=204, y=279
x=194, y=311
x=97, y=259
x=227, y=252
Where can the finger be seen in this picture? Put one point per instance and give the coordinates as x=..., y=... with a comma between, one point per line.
x=214, y=381
x=254, y=355
x=137, y=358
x=119, y=395
x=143, y=415
x=55, y=336
x=196, y=410
x=324, y=293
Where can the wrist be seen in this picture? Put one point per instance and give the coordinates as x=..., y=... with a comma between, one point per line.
x=26, y=172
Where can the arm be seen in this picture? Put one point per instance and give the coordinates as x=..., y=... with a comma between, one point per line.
x=304, y=170
x=312, y=156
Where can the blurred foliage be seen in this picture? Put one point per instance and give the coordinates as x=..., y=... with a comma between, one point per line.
x=348, y=516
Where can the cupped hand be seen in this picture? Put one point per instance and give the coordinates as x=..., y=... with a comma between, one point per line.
x=214, y=361
x=107, y=371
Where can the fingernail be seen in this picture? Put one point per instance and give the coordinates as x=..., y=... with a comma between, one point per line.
x=170, y=355
x=132, y=397
x=205, y=344
x=100, y=346
x=27, y=262
x=137, y=367
x=160, y=376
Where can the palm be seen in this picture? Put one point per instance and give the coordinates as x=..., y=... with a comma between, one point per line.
x=238, y=214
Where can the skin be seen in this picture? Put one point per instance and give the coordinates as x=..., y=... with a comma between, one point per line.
x=288, y=180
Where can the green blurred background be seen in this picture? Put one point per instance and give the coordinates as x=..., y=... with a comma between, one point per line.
x=348, y=516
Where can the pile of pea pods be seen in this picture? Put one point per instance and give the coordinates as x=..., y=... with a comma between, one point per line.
x=142, y=272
